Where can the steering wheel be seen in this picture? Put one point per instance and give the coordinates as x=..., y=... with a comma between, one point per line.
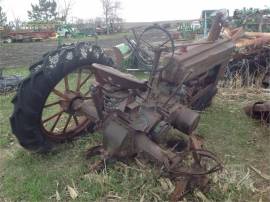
x=152, y=40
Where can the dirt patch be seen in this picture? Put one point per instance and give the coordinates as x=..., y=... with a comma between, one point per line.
x=25, y=54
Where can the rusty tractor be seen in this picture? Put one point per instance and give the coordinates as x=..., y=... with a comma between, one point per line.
x=75, y=89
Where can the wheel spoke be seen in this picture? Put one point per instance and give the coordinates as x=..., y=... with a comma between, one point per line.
x=66, y=83
x=79, y=80
x=89, y=91
x=58, y=122
x=55, y=123
x=87, y=98
x=84, y=81
x=148, y=44
x=164, y=43
x=52, y=104
x=58, y=93
x=68, y=120
x=53, y=116
x=76, y=120
x=146, y=56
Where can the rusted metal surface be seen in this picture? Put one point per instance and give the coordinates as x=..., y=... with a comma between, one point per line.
x=215, y=29
x=64, y=112
x=207, y=60
x=197, y=58
x=256, y=42
x=250, y=59
x=31, y=35
x=233, y=34
x=257, y=34
x=134, y=115
x=259, y=110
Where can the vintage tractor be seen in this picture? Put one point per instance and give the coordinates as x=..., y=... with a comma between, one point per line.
x=75, y=89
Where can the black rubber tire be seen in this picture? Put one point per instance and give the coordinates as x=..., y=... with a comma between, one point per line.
x=34, y=90
x=39, y=64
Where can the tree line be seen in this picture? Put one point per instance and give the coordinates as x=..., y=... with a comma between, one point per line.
x=60, y=10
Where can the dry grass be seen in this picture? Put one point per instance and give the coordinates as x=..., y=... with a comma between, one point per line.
x=238, y=81
x=241, y=143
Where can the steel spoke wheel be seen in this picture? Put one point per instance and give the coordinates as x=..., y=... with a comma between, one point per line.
x=155, y=37
x=42, y=112
x=58, y=120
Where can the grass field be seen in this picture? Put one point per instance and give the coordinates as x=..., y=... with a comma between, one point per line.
x=26, y=53
x=242, y=144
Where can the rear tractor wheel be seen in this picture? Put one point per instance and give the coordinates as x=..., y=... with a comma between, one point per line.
x=42, y=113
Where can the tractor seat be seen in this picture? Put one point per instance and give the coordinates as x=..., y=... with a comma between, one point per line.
x=108, y=75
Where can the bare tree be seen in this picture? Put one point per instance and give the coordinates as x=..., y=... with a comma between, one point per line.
x=17, y=23
x=65, y=7
x=115, y=20
x=3, y=17
x=110, y=9
x=107, y=9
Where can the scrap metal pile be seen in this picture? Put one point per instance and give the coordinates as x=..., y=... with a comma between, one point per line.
x=134, y=116
x=250, y=61
x=259, y=110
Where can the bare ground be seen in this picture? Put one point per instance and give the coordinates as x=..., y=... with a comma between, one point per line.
x=25, y=54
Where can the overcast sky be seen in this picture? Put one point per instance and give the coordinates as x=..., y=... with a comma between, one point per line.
x=140, y=10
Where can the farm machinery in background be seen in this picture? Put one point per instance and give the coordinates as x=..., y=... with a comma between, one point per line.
x=38, y=31
x=252, y=19
x=31, y=31
x=76, y=89
x=199, y=28
x=250, y=61
x=189, y=30
x=65, y=31
x=76, y=30
x=29, y=36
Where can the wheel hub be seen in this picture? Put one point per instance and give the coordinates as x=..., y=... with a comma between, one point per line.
x=70, y=97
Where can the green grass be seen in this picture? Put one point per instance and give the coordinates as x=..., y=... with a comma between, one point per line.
x=6, y=108
x=92, y=38
x=239, y=141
